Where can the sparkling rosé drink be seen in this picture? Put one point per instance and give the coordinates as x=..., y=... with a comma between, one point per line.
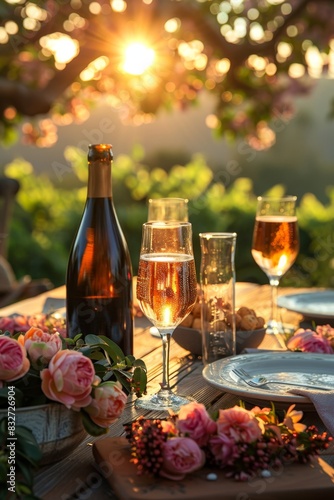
x=166, y=287
x=166, y=293
x=275, y=243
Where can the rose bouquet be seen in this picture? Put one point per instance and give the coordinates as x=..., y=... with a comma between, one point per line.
x=39, y=365
x=92, y=377
x=243, y=443
x=319, y=340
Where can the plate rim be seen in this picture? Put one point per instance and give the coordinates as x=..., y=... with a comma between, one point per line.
x=259, y=394
x=283, y=301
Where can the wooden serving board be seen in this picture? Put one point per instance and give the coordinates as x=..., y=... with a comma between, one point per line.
x=297, y=481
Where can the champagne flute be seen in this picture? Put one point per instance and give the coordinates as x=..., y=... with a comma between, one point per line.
x=275, y=245
x=163, y=209
x=166, y=292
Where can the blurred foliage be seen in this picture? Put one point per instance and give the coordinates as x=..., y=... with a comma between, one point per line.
x=47, y=215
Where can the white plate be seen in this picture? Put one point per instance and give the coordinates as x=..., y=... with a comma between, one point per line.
x=297, y=366
x=312, y=304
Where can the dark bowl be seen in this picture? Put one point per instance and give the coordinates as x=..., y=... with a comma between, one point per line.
x=251, y=338
x=191, y=339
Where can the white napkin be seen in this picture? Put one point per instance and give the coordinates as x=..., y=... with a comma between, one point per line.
x=323, y=403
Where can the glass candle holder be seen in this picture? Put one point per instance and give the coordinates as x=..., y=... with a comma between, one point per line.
x=217, y=283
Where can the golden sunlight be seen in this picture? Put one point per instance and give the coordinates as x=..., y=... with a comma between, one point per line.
x=138, y=58
x=61, y=46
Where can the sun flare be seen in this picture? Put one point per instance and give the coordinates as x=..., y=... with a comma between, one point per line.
x=138, y=58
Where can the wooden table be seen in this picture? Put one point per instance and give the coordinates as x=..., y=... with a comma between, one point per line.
x=77, y=476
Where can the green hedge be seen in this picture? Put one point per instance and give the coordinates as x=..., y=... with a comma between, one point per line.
x=47, y=215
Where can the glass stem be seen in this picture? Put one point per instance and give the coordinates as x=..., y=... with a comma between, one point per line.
x=274, y=282
x=165, y=337
x=275, y=325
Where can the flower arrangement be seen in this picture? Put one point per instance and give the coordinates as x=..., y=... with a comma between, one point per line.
x=319, y=340
x=39, y=365
x=20, y=323
x=92, y=377
x=244, y=443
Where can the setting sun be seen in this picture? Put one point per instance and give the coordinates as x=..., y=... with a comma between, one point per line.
x=138, y=58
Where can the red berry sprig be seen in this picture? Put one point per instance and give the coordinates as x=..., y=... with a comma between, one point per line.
x=146, y=438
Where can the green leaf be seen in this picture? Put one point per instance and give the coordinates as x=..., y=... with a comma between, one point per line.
x=140, y=381
x=114, y=347
x=4, y=397
x=25, y=469
x=130, y=358
x=86, y=351
x=3, y=471
x=122, y=378
x=126, y=374
x=97, y=356
x=102, y=362
x=28, y=444
x=115, y=354
x=6, y=333
x=100, y=370
x=93, y=339
x=4, y=394
x=91, y=427
x=3, y=430
x=140, y=364
x=109, y=374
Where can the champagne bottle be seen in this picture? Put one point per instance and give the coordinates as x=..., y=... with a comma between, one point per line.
x=99, y=272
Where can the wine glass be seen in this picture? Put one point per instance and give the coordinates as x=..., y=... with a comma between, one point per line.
x=166, y=292
x=163, y=209
x=275, y=244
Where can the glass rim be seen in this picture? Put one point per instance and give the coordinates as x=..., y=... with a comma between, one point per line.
x=225, y=235
x=277, y=198
x=168, y=223
x=153, y=200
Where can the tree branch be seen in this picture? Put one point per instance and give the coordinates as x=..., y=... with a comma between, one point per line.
x=30, y=101
x=95, y=41
x=236, y=53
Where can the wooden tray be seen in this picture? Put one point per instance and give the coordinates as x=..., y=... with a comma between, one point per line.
x=314, y=480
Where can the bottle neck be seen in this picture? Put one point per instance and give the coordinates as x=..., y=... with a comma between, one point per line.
x=99, y=179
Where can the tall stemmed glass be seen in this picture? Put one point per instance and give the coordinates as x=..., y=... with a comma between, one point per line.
x=166, y=292
x=275, y=244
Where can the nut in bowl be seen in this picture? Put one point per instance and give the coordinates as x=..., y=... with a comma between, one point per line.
x=250, y=330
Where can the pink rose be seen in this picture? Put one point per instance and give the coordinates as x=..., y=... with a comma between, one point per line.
x=68, y=379
x=194, y=422
x=325, y=330
x=107, y=404
x=328, y=332
x=223, y=448
x=41, y=346
x=238, y=424
x=181, y=455
x=38, y=321
x=14, y=324
x=14, y=363
x=309, y=341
